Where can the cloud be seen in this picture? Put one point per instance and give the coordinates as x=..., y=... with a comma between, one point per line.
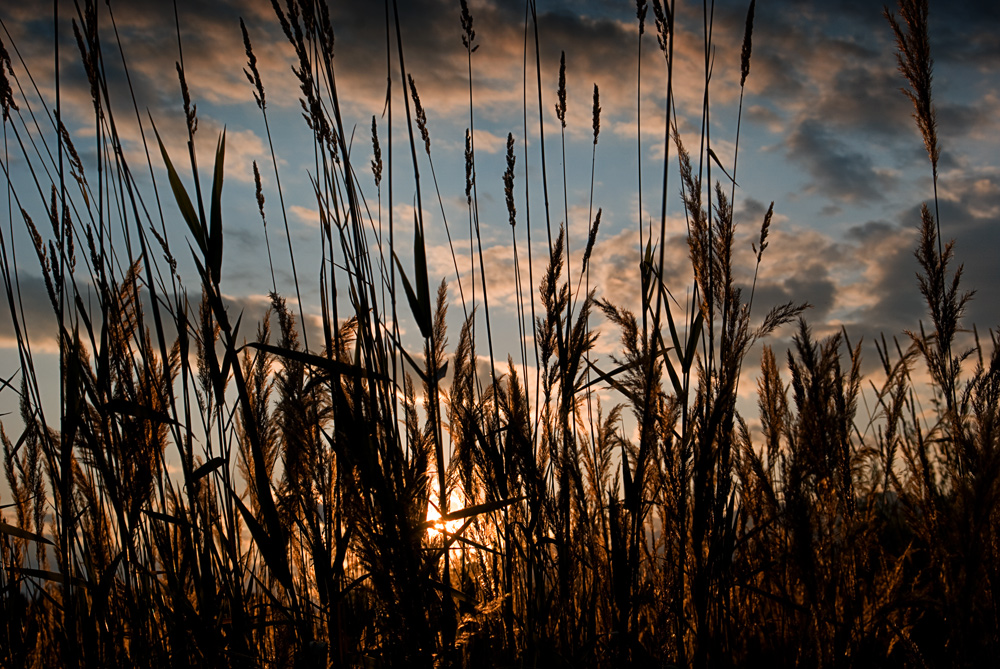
x=305, y=215
x=839, y=172
x=36, y=317
x=766, y=117
x=823, y=86
x=39, y=322
x=825, y=80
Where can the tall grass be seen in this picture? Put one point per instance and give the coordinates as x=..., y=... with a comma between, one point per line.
x=341, y=502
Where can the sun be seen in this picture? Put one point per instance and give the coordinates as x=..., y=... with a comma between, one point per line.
x=434, y=523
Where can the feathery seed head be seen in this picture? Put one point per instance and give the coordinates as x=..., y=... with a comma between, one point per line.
x=377, y=151
x=663, y=24
x=913, y=55
x=764, y=229
x=597, y=113
x=260, y=192
x=561, y=105
x=6, y=92
x=253, y=75
x=592, y=238
x=421, y=116
x=470, y=176
x=468, y=34
x=508, y=180
x=88, y=60
x=747, y=45
x=190, y=111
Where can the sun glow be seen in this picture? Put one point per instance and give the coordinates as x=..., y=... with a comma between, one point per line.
x=434, y=523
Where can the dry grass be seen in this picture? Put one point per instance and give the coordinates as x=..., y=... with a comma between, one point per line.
x=297, y=533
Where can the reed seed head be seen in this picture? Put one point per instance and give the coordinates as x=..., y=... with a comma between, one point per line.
x=468, y=34
x=87, y=58
x=253, y=75
x=260, y=192
x=597, y=113
x=913, y=55
x=561, y=105
x=747, y=45
x=663, y=24
x=6, y=92
x=377, y=152
x=764, y=229
x=592, y=239
x=508, y=180
x=470, y=175
x=421, y=116
x=190, y=111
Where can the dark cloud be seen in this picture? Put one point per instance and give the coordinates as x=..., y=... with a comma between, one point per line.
x=966, y=33
x=897, y=304
x=863, y=99
x=871, y=231
x=957, y=121
x=35, y=315
x=765, y=116
x=840, y=172
x=827, y=80
x=969, y=213
x=751, y=210
x=812, y=286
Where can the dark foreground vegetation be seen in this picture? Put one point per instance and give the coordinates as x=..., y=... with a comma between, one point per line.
x=297, y=531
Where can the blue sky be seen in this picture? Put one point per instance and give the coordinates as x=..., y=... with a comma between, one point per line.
x=825, y=134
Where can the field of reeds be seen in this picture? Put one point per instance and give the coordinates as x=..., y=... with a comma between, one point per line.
x=207, y=491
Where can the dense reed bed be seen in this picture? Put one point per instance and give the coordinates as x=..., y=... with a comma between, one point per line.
x=353, y=501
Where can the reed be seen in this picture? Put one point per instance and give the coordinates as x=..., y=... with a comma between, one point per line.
x=355, y=501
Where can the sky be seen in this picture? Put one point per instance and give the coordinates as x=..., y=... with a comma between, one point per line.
x=825, y=134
